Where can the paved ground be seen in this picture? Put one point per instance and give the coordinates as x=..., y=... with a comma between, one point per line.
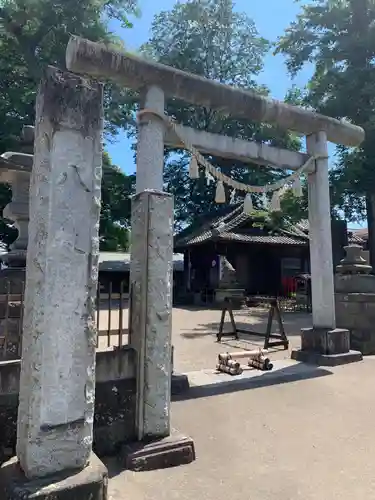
x=308, y=439
x=194, y=333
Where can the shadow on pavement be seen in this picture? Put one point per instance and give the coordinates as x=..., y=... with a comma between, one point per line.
x=114, y=465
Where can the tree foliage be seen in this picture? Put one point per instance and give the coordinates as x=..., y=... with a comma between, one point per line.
x=116, y=206
x=210, y=39
x=34, y=33
x=338, y=37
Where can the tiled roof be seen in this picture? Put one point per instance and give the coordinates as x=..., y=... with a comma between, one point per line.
x=227, y=225
x=355, y=236
x=362, y=232
x=355, y=239
x=270, y=239
x=303, y=225
x=358, y=236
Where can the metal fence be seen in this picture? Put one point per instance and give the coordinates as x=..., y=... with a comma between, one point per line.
x=111, y=319
x=112, y=315
x=11, y=318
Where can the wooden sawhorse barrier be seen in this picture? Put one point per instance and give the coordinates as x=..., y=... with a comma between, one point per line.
x=280, y=339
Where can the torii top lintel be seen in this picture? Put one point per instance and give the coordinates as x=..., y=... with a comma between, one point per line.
x=97, y=60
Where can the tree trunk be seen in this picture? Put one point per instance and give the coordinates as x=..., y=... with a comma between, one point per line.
x=370, y=208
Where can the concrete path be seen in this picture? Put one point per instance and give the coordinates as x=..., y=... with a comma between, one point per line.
x=310, y=439
x=303, y=433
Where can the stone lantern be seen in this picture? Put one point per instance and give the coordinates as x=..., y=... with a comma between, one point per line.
x=355, y=300
x=15, y=170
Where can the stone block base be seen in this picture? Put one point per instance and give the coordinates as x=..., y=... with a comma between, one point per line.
x=325, y=341
x=363, y=340
x=355, y=310
x=315, y=358
x=170, y=451
x=236, y=295
x=179, y=384
x=89, y=484
x=325, y=347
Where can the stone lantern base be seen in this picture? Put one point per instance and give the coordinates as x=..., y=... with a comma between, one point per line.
x=355, y=300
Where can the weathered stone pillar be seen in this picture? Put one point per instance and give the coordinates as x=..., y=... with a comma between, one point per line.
x=57, y=383
x=151, y=316
x=150, y=327
x=323, y=344
x=150, y=145
x=323, y=304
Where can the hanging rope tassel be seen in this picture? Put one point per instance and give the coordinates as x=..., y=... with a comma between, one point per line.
x=297, y=187
x=233, y=197
x=275, y=202
x=265, y=203
x=248, y=204
x=220, y=193
x=209, y=177
x=193, y=168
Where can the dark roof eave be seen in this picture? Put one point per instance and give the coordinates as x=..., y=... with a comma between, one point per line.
x=218, y=239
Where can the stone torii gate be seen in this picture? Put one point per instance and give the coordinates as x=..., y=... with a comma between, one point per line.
x=152, y=212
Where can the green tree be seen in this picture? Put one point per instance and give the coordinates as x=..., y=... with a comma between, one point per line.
x=116, y=205
x=338, y=37
x=208, y=38
x=34, y=33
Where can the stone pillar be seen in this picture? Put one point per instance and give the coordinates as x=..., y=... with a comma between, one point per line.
x=150, y=328
x=323, y=304
x=151, y=315
x=150, y=146
x=57, y=383
x=322, y=344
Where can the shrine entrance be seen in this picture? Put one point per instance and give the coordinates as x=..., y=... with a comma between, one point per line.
x=152, y=230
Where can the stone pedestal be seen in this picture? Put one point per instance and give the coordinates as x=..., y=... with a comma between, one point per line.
x=355, y=300
x=171, y=451
x=87, y=484
x=228, y=284
x=236, y=295
x=325, y=347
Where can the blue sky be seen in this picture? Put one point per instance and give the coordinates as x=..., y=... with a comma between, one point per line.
x=271, y=18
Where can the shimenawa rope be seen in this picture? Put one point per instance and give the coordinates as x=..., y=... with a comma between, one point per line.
x=197, y=158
